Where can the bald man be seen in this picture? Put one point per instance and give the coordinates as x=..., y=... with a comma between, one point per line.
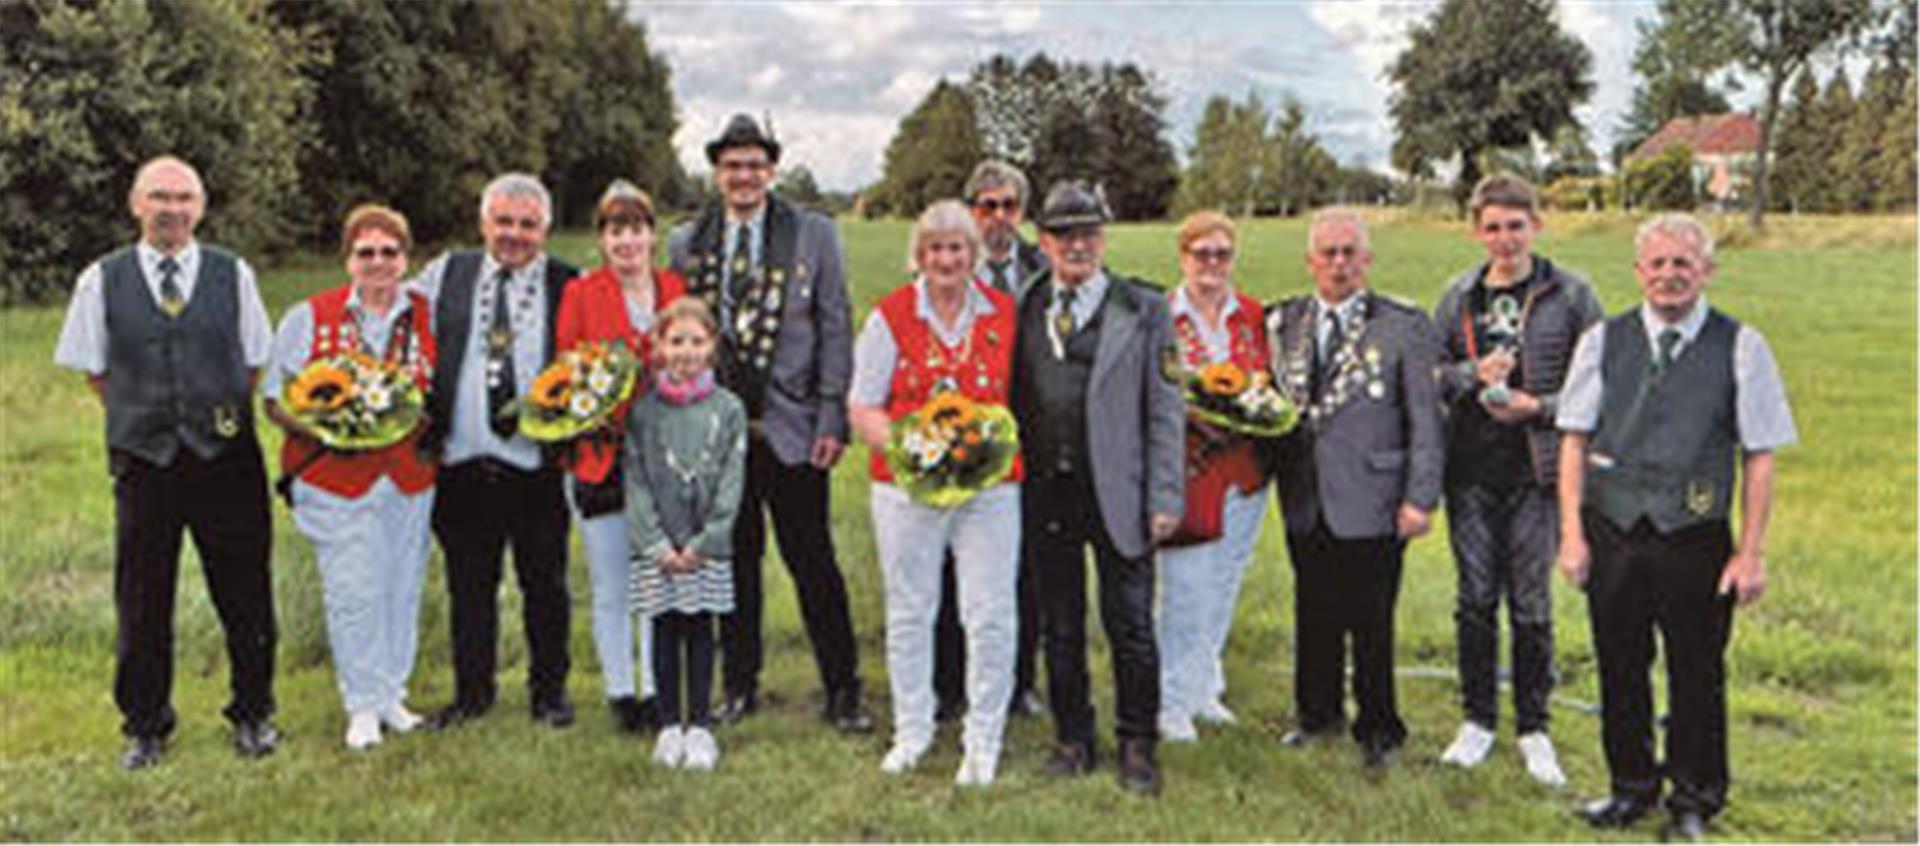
x=170, y=333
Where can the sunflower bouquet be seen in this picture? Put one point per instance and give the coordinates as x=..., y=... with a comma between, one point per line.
x=579, y=392
x=354, y=401
x=1224, y=395
x=951, y=449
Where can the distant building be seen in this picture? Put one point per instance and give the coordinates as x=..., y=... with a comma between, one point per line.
x=1724, y=147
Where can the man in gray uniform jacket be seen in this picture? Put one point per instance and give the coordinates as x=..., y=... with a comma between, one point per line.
x=774, y=274
x=1358, y=478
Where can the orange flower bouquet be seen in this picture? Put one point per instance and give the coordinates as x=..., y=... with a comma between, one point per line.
x=951, y=449
x=578, y=393
x=354, y=401
x=1224, y=395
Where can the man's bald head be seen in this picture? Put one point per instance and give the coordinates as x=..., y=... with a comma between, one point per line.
x=168, y=199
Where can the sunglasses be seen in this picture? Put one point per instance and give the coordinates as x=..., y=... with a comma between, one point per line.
x=996, y=206
x=1212, y=255
x=367, y=253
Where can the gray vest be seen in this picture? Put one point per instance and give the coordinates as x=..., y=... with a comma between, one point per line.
x=1672, y=440
x=179, y=380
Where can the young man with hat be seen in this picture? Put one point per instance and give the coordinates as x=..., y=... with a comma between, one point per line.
x=1097, y=351
x=775, y=275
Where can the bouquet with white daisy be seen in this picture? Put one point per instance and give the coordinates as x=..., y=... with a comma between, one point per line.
x=579, y=392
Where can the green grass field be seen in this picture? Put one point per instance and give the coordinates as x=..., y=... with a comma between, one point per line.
x=1821, y=684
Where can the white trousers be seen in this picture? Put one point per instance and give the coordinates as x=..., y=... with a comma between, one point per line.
x=610, y=567
x=1199, y=586
x=984, y=535
x=372, y=554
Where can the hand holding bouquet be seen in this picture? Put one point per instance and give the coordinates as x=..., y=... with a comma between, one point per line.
x=1243, y=403
x=579, y=392
x=951, y=449
x=354, y=401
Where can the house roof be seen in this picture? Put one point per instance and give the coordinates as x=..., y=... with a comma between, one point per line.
x=1724, y=134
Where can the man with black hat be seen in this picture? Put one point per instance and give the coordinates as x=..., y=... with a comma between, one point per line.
x=775, y=275
x=1095, y=346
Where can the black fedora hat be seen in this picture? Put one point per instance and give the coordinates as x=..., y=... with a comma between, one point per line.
x=742, y=131
x=1072, y=205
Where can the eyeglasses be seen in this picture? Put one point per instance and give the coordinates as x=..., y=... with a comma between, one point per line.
x=370, y=253
x=1212, y=255
x=745, y=165
x=1345, y=251
x=996, y=206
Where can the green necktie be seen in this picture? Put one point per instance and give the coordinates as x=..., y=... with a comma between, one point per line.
x=1669, y=338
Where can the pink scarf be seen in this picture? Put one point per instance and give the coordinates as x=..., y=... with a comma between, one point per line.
x=683, y=393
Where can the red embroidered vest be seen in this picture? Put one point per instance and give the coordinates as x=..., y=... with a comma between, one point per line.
x=1247, y=348
x=351, y=474
x=981, y=368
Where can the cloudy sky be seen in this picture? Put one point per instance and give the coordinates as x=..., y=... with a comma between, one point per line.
x=837, y=78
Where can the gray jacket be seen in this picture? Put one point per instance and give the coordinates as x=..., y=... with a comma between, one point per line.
x=811, y=365
x=1374, y=444
x=1136, y=414
x=1559, y=307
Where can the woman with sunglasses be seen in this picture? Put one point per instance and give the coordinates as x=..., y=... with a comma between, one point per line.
x=367, y=513
x=1200, y=570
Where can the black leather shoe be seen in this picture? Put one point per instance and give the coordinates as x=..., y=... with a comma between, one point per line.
x=949, y=710
x=1614, y=812
x=1026, y=703
x=1139, y=772
x=255, y=738
x=737, y=708
x=555, y=710
x=1686, y=827
x=1377, y=755
x=632, y=716
x=1070, y=759
x=455, y=715
x=143, y=752
x=844, y=711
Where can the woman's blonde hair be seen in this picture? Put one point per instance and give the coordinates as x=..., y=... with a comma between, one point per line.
x=376, y=217
x=1200, y=224
x=947, y=217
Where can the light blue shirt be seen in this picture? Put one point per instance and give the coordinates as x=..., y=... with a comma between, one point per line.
x=468, y=434
x=1217, y=341
x=876, y=353
x=1761, y=413
x=293, y=343
x=1086, y=300
x=83, y=338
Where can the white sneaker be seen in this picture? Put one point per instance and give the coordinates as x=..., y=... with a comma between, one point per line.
x=1470, y=746
x=363, y=730
x=1542, y=763
x=703, y=752
x=397, y=718
x=977, y=769
x=902, y=757
x=1177, y=728
x=669, y=749
x=1215, y=713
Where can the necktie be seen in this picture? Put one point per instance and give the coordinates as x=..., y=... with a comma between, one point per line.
x=1669, y=338
x=999, y=271
x=171, y=300
x=739, y=261
x=1336, y=335
x=500, y=380
x=1063, y=317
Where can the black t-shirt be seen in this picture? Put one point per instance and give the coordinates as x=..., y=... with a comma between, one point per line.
x=1484, y=451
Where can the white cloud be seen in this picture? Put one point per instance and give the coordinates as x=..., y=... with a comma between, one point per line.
x=765, y=79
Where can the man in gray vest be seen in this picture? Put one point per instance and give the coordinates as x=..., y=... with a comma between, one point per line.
x=775, y=275
x=1102, y=434
x=493, y=320
x=1659, y=403
x=1359, y=478
x=171, y=334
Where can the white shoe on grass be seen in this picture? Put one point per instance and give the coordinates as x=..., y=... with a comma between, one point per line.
x=1177, y=728
x=397, y=718
x=669, y=748
x=363, y=730
x=1470, y=746
x=977, y=769
x=1542, y=763
x=1215, y=713
x=702, y=751
x=904, y=756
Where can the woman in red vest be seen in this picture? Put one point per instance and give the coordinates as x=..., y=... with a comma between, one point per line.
x=367, y=513
x=615, y=302
x=1226, y=486
x=946, y=330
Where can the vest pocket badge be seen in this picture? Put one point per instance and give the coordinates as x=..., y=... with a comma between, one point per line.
x=1699, y=497
x=226, y=421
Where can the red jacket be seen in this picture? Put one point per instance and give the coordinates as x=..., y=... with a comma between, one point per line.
x=1246, y=347
x=983, y=374
x=351, y=474
x=595, y=309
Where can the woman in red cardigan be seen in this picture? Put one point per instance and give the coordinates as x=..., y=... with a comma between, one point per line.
x=614, y=302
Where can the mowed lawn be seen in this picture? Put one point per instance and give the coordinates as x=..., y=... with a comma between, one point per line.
x=1821, y=684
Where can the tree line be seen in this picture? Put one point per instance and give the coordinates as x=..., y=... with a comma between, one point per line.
x=297, y=110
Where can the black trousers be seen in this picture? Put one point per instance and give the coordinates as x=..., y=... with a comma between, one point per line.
x=481, y=507
x=950, y=642
x=1059, y=520
x=1345, y=589
x=1641, y=582
x=1504, y=541
x=684, y=641
x=798, y=497
x=223, y=504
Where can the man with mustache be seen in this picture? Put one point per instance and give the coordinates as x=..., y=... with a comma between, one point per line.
x=775, y=275
x=1359, y=478
x=1103, y=439
x=171, y=335
x=494, y=316
x=1659, y=402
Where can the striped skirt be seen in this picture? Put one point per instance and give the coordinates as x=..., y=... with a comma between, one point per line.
x=709, y=588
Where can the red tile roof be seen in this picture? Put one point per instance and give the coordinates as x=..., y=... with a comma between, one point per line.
x=1723, y=134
